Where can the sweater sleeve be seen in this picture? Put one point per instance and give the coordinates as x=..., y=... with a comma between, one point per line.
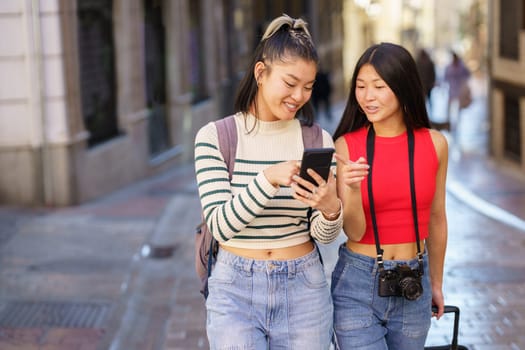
x=225, y=214
x=321, y=229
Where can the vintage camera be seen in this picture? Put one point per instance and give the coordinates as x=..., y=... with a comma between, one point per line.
x=400, y=281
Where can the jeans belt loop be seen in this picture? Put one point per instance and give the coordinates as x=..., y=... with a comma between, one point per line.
x=292, y=268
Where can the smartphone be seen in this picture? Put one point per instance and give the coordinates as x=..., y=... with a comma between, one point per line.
x=318, y=159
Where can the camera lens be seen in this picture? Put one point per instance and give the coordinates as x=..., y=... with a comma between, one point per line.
x=411, y=288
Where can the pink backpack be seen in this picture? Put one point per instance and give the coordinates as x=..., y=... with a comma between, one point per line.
x=206, y=246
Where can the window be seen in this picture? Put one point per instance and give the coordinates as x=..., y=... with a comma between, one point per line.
x=523, y=15
x=510, y=24
x=197, y=51
x=155, y=72
x=512, y=127
x=97, y=69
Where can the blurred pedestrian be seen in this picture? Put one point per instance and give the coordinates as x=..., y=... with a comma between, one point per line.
x=268, y=289
x=390, y=270
x=427, y=73
x=321, y=93
x=456, y=76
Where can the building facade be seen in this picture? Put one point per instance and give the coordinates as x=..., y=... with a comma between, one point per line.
x=97, y=94
x=507, y=90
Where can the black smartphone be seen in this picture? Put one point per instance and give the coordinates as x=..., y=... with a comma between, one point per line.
x=318, y=159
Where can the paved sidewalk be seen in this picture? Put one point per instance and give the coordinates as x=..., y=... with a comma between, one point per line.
x=77, y=278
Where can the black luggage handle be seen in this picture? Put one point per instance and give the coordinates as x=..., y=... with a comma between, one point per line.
x=454, y=345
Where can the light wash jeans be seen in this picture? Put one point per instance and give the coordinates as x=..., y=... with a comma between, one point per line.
x=365, y=321
x=264, y=304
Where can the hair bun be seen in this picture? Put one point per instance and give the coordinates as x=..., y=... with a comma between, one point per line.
x=284, y=21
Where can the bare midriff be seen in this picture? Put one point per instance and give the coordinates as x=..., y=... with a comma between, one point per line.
x=401, y=251
x=287, y=253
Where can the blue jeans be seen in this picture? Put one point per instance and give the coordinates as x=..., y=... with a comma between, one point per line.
x=267, y=304
x=365, y=321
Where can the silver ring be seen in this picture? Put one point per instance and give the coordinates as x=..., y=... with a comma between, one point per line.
x=314, y=191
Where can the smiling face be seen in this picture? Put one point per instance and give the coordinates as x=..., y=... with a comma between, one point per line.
x=284, y=87
x=376, y=99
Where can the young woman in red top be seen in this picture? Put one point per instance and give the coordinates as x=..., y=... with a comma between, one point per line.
x=383, y=294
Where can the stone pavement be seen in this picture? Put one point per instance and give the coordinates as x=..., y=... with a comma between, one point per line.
x=118, y=273
x=81, y=278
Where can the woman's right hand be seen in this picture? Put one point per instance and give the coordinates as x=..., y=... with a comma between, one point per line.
x=281, y=174
x=352, y=173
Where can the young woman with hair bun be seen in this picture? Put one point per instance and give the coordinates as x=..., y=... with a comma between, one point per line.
x=268, y=289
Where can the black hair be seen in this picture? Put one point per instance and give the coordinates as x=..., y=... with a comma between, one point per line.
x=283, y=39
x=396, y=66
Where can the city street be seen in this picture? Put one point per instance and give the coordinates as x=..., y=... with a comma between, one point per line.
x=118, y=273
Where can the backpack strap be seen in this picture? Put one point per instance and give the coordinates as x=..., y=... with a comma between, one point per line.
x=227, y=135
x=312, y=136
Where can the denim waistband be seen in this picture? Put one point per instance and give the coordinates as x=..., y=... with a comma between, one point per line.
x=291, y=266
x=368, y=263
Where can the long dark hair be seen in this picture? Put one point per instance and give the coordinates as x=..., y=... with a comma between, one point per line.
x=284, y=38
x=397, y=68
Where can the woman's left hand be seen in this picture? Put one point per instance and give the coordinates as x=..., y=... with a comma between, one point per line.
x=321, y=196
x=439, y=302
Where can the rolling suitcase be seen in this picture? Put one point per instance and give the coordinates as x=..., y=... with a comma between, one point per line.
x=454, y=345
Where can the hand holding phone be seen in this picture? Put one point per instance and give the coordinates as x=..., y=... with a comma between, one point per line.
x=318, y=159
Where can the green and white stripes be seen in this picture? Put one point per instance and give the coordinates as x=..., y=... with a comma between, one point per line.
x=249, y=212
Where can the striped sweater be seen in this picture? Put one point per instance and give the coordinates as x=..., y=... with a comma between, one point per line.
x=249, y=212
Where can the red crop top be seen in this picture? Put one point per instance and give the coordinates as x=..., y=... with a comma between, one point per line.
x=391, y=184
